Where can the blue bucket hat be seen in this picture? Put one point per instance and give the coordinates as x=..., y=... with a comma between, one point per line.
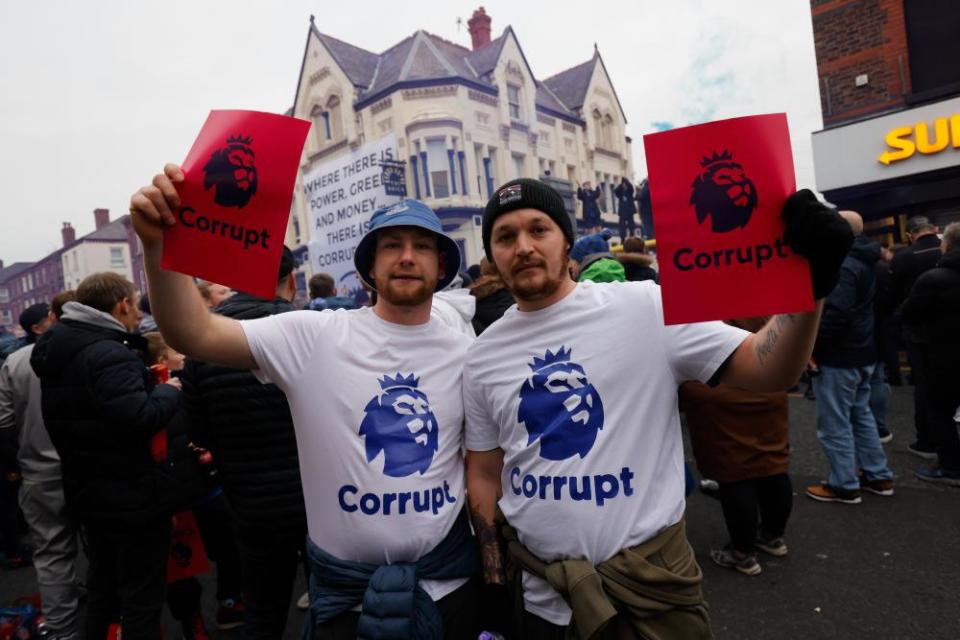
x=406, y=213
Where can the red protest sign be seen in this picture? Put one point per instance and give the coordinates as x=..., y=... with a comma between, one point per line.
x=187, y=556
x=716, y=191
x=238, y=183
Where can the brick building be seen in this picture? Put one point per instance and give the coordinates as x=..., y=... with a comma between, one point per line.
x=13, y=292
x=111, y=246
x=890, y=97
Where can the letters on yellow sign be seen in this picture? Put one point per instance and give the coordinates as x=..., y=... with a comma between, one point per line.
x=904, y=142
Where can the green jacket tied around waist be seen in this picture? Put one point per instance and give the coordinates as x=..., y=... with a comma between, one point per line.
x=656, y=587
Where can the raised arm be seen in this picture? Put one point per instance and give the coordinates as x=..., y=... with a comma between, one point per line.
x=774, y=358
x=483, y=491
x=186, y=323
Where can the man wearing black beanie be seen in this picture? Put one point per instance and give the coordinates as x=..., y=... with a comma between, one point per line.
x=34, y=320
x=589, y=461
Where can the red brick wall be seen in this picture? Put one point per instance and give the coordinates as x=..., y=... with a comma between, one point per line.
x=854, y=37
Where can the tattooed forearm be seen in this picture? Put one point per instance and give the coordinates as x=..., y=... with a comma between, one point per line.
x=490, y=556
x=767, y=340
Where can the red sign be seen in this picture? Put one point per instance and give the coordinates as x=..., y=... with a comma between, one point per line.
x=238, y=183
x=716, y=191
x=187, y=557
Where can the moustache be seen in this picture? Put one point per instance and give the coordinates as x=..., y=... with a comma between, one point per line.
x=520, y=266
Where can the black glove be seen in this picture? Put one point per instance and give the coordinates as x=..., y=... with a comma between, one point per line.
x=819, y=234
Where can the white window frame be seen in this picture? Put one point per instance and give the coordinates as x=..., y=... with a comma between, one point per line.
x=514, y=91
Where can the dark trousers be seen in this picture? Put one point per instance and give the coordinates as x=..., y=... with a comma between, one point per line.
x=219, y=535
x=458, y=608
x=945, y=435
x=766, y=502
x=269, y=559
x=921, y=396
x=9, y=516
x=126, y=579
x=890, y=349
x=183, y=598
x=627, y=225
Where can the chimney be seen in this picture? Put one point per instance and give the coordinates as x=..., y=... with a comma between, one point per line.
x=101, y=218
x=69, y=234
x=479, y=26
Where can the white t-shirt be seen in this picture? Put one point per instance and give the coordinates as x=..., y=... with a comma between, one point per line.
x=378, y=413
x=582, y=398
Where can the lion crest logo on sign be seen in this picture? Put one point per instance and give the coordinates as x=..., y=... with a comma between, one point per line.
x=400, y=423
x=723, y=192
x=559, y=407
x=232, y=174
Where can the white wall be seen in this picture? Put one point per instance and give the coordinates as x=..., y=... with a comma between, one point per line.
x=87, y=258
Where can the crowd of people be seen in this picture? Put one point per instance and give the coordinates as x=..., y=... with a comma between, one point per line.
x=459, y=456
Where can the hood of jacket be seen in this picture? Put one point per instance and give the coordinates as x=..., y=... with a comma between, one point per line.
x=455, y=308
x=486, y=286
x=865, y=250
x=79, y=327
x=641, y=259
x=243, y=306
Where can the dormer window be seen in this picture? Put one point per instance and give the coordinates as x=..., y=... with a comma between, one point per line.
x=513, y=100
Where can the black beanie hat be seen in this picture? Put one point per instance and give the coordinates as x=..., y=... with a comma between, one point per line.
x=34, y=314
x=525, y=193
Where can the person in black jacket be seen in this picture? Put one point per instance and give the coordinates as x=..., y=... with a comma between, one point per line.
x=626, y=208
x=846, y=354
x=933, y=310
x=908, y=265
x=591, y=207
x=101, y=409
x=636, y=261
x=248, y=428
x=493, y=297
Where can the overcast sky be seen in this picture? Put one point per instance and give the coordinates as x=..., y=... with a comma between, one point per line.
x=96, y=96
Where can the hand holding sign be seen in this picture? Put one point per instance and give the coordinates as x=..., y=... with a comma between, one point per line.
x=717, y=191
x=225, y=210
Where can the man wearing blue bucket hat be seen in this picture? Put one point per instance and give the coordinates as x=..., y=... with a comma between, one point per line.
x=375, y=396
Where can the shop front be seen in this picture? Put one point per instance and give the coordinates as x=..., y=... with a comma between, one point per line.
x=895, y=166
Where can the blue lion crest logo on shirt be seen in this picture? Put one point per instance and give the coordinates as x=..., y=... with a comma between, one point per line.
x=559, y=407
x=400, y=423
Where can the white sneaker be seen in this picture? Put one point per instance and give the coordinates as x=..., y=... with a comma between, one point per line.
x=304, y=602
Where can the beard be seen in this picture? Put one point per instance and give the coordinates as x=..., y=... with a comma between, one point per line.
x=537, y=284
x=406, y=292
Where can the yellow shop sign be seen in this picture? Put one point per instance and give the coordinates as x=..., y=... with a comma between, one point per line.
x=904, y=142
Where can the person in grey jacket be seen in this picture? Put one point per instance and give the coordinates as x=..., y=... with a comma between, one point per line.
x=53, y=531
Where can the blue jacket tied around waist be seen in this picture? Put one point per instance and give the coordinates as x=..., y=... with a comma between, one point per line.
x=394, y=606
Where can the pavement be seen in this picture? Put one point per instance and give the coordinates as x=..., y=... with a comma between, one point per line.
x=883, y=569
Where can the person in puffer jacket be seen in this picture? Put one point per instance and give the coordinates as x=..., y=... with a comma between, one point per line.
x=248, y=428
x=101, y=409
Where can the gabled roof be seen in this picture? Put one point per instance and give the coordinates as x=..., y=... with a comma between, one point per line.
x=571, y=86
x=115, y=231
x=546, y=99
x=8, y=273
x=484, y=60
x=359, y=64
x=425, y=58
